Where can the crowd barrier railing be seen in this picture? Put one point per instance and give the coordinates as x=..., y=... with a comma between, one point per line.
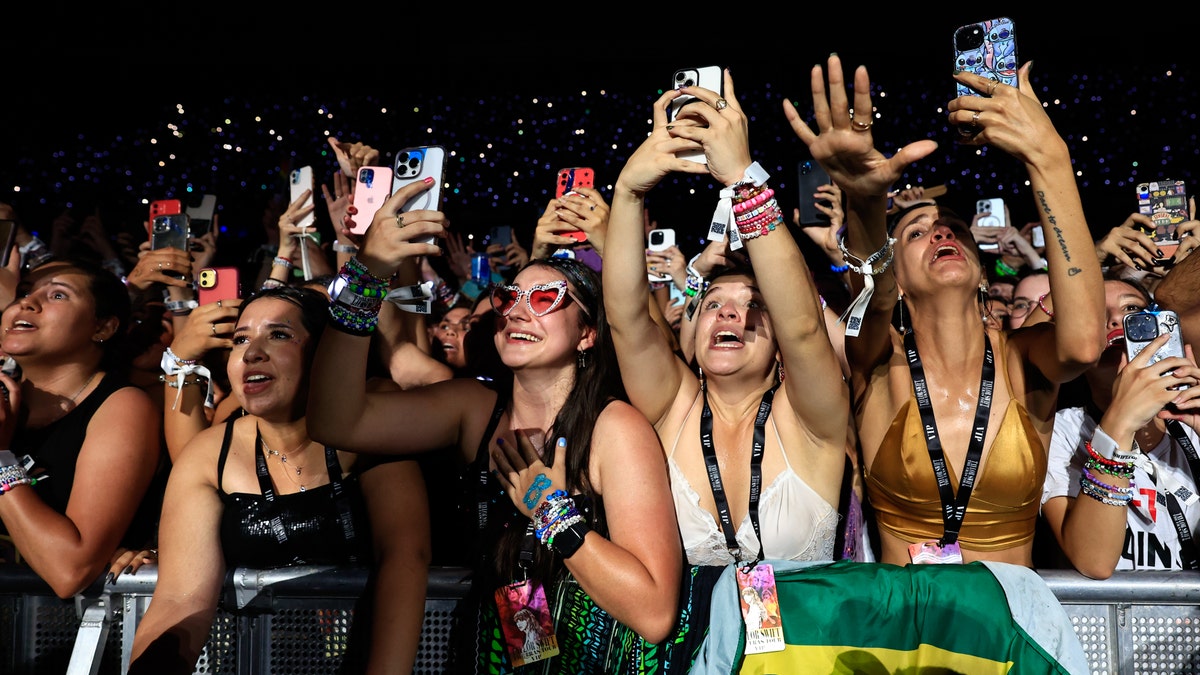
x=297, y=620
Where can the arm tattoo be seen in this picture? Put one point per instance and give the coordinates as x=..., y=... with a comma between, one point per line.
x=1062, y=244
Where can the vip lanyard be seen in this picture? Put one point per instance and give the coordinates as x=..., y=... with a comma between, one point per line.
x=341, y=499
x=954, y=507
x=1187, y=545
x=714, y=472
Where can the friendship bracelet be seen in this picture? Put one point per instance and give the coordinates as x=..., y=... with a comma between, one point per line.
x=838, y=269
x=181, y=362
x=270, y=283
x=282, y=262
x=1119, y=470
x=339, y=247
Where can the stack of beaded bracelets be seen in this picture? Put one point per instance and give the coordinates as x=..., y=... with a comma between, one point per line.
x=1102, y=492
x=12, y=475
x=554, y=516
x=755, y=210
x=355, y=305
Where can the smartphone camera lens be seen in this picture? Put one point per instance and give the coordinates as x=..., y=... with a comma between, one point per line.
x=1140, y=327
x=969, y=38
x=656, y=238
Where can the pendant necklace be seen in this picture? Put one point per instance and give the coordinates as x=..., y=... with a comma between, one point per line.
x=283, y=459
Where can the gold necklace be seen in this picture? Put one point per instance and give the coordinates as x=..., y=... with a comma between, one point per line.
x=283, y=459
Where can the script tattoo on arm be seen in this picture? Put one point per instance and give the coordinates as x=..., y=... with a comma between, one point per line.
x=1058, y=235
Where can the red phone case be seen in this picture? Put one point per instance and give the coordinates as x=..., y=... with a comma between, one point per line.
x=569, y=179
x=163, y=207
x=218, y=283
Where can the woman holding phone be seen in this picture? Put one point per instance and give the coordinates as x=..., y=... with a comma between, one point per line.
x=1121, y=515
x=575, y=523
x=766, y=404
x=945, y=395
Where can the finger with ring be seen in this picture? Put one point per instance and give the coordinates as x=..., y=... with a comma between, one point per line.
x=860, y=126
x=160, y=267
x=218, y=303
x=992, y=87
x=592, y=207
x=214, y=328
x=975, y=118
x=721, y=104
x=399, y=220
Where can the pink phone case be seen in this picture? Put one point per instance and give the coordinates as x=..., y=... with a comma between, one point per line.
x=373, y=188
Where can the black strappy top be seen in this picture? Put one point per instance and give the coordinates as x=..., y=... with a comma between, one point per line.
x=326, y=525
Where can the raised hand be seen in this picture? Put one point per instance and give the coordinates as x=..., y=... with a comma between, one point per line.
x=352, y=156
x=843, y=144
x=523, y=475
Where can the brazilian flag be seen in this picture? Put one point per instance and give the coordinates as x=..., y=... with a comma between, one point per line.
x=881, y=619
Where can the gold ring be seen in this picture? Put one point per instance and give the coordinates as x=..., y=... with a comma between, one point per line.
x=721, y=104
x=975, y=118
x=399, y=220
x=861, y=126
x=214, y=328
x=992, y=87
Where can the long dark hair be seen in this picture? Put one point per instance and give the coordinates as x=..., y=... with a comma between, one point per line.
x=597, y=383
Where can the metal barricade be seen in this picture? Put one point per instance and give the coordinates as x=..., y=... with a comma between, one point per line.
x=298, y=621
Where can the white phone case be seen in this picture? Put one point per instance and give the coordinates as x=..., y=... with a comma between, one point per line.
x=660, y=240
x=708, y=77
x=302, y=179
x=414, y=165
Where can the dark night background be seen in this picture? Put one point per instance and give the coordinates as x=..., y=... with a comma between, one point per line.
x=114, y=114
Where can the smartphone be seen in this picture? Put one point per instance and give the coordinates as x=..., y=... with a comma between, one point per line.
x=301, y=180
x=987, y=48
x=374, y=186
x=201, y=215
x=811, y=177
x=8, y=238
x=414, y=165
x=568, y=180
x=218, y=283
x=660, y=240
x=1165, y=202
x=708, y=77
x=502, y=235
x=994, y=210
x=170, y=231
x=1141, y=328
x=1037, y=236
x=163, y=207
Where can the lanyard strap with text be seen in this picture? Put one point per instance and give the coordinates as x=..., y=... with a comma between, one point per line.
x=1187, y=545
x=714, y=472
x=954, y=507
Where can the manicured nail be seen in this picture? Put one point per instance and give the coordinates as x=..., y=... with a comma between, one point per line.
x=109, y=578
x=129, y=569
x=428, y=179
x=1159, y=253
